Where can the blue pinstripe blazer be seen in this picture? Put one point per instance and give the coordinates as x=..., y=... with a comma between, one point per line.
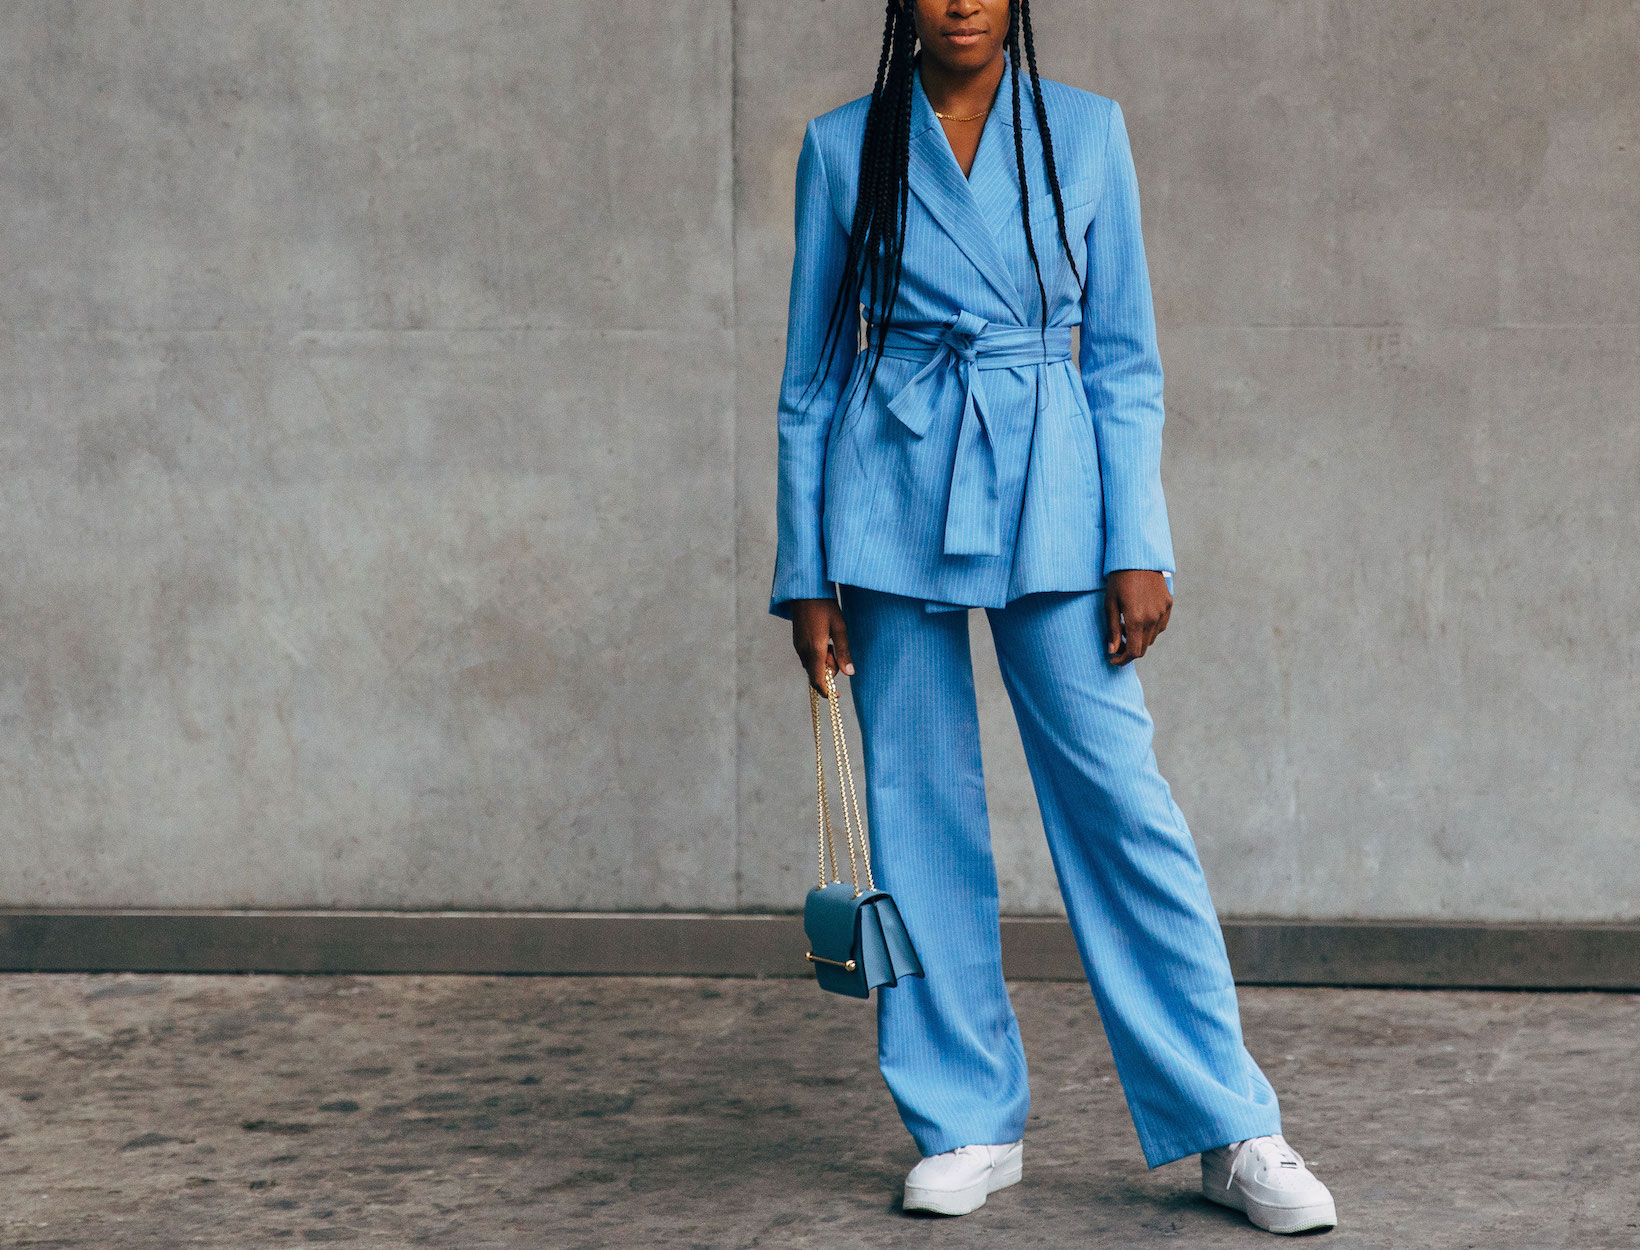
x=979, y=466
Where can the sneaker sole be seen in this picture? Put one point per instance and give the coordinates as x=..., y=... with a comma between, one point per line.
x=962, y=1201
x=1280, y=1219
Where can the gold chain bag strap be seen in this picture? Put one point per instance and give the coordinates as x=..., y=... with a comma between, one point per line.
x=857, y=940
x=825, y=838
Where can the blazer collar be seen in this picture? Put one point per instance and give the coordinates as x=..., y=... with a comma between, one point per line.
x=971, y=210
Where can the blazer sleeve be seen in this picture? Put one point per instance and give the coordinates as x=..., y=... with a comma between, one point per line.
x=1122, y=368
x=807, y=402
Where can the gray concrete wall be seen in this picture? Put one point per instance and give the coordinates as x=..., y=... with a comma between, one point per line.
x=368, y=415
x=387, y=393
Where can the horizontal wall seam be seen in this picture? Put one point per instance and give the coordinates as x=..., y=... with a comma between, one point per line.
x=1478, y=954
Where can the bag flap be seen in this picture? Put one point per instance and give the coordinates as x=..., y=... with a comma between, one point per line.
x=901, y=953
x=874, y=958
x=830, y=916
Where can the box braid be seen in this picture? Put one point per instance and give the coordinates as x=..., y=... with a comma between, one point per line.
x=1019, y=13
x=877, y=235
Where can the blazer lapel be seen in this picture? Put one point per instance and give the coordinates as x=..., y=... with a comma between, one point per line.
x=994, y=179
x=936, y=179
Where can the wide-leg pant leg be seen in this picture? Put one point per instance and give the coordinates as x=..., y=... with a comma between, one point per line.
x=1133, y=886
x=948, y=1042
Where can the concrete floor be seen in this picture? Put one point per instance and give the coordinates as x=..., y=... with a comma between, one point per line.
x=567, y=1112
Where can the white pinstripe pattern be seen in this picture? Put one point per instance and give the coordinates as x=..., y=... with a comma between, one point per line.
x=863, y=500
x=1150, y=941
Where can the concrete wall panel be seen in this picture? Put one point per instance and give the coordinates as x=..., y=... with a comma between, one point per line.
x=1405, y=679
x=367, y=406
x=368, y=618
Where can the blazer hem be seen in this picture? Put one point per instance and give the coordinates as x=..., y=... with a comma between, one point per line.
x=933, y=595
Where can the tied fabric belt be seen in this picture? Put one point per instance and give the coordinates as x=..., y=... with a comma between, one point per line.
x=956, y=356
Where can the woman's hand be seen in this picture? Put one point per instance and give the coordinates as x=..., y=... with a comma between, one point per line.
x=821, y=639
x=1137, y=605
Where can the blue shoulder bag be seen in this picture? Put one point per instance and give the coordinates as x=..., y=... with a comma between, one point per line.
x=857, y=940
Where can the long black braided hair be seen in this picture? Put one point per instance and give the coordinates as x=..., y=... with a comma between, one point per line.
x=877, y=237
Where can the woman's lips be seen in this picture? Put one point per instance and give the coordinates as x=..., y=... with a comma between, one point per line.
x=964, y=37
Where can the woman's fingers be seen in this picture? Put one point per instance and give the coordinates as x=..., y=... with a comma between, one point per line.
x=1113, y=627
x=1127, y=637
x=819, y=662
x=839, y=645
x=1133, y=641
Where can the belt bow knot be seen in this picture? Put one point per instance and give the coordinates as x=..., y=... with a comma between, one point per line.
x=958, y=353
x=960, y=337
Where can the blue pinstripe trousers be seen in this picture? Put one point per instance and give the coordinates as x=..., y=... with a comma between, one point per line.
x=948, y=1044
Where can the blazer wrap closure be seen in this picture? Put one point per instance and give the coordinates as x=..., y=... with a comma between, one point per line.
x=984, y=461
x=963, y=350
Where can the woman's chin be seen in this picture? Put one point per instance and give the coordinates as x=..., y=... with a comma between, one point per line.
x=960, y=57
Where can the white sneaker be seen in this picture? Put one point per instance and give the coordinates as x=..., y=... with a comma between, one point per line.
x=958, y=1181
x=1266, y=1178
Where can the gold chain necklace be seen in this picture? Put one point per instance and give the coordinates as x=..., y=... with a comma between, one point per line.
x=946, y=117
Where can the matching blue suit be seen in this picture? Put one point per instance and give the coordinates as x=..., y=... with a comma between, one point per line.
x=986, y=466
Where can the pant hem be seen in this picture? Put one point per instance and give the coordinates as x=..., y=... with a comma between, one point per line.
x=980, y=1137
x=1169, y=1150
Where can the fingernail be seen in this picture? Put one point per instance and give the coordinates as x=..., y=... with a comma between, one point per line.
x=849, y=669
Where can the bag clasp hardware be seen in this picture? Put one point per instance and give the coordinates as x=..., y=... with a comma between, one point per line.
x=847, y=965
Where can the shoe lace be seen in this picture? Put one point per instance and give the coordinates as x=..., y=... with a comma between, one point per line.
x=1271, y=1145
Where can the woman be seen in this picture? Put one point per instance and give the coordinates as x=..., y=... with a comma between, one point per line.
x=960, y=459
